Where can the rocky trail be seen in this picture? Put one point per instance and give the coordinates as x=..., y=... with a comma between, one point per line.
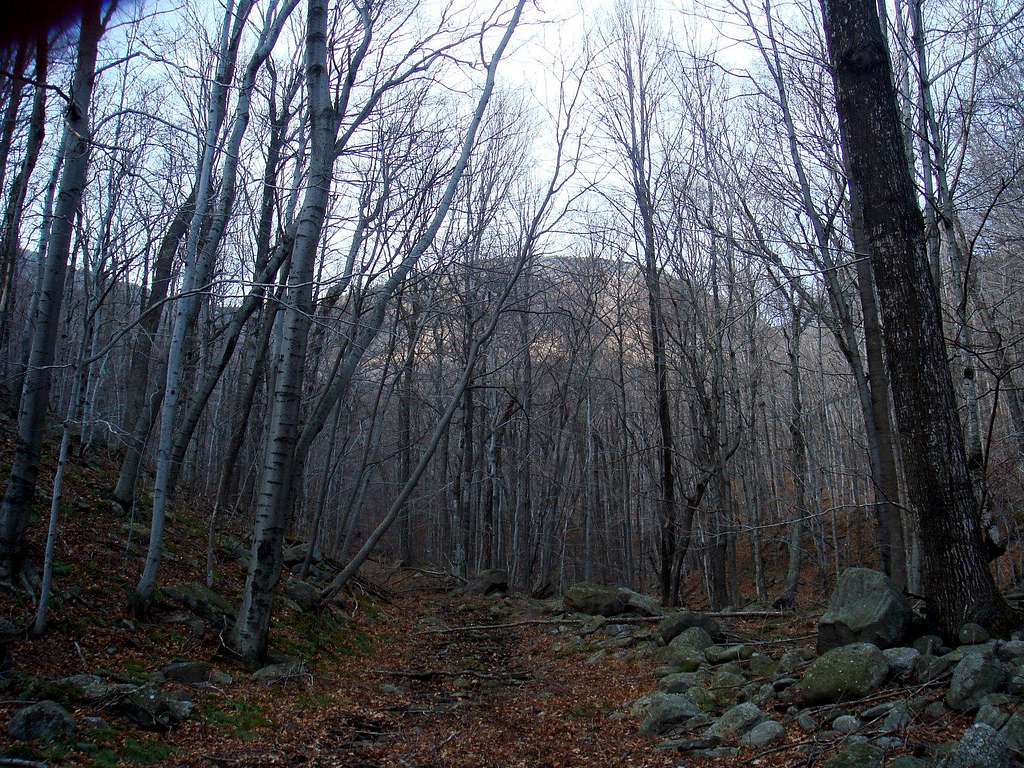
x=412, y=669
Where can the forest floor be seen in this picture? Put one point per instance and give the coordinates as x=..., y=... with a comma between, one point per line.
x=390, y=675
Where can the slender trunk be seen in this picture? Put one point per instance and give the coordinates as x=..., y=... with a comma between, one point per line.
x=35, y=397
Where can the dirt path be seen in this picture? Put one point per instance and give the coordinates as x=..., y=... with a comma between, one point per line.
x=519, y=696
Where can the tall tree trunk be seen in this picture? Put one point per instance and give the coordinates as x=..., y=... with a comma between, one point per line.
x=21, y=486
x=10, y=240
x=958, y=584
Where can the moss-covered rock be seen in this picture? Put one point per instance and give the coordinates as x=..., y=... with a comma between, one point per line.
x=849, y=672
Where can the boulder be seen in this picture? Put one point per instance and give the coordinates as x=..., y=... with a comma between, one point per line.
x=682, y=658
x=44, y=721
x=846, y=724
x=664, y=711
x=304, y=594
x=644, y=605
x=976, y=676
x=861, y=755
x=694, y=637
x=928, y=645
x=295, y=554
x=736, y=722
x=973, y=634
x=1013, y=731
x=865, y=608
x=764, y=734
x=200, y=600
x=149, y=707
x=95, y=688
x=849, y=672
x=677, y=682
x=186, y=672
x=981, y=746
x=489, y=582
x=901, y=661
x=676, y=623
x=595, y=599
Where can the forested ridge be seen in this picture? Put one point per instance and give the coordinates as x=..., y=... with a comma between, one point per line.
x=329, y=327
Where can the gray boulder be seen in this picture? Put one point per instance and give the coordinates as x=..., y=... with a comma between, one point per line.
x=295, y=554
x=488, y=582
x=694, y=637
x=972, y=634
x=735, y=722
x=664, y=711
x=596, y=599
x=149, y=707
x=976, y=676
x=201, y=600
x=865, y=608
x=44, y=721
x=764, y=734
x=676, y=623
x=901, y=661
x=1013, y=731
x=678, y=682
x=981, y=746
x=305, y=595
x=849, y=672
x=682, y=658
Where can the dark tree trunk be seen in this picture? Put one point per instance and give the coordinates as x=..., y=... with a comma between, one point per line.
x=956, y=580
x=35, y=398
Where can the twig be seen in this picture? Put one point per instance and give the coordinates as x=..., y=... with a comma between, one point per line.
x=428, y=673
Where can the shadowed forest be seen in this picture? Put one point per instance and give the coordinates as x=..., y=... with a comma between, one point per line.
x=415, y=383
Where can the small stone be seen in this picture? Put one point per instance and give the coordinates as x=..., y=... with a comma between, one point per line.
x=736, y=721
x=897, y=720
x=783, y=683
x=972, y=634
x=846, y=724
x=806, y=723
x=764, y=734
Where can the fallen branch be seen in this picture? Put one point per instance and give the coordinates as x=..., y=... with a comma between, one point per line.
x=20, y=763
x=426, y=674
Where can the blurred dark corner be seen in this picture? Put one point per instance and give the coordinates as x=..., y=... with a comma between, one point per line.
x=26, y=20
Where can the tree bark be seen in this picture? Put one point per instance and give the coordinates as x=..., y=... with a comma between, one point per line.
x=21, y=486
x=958, y=585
